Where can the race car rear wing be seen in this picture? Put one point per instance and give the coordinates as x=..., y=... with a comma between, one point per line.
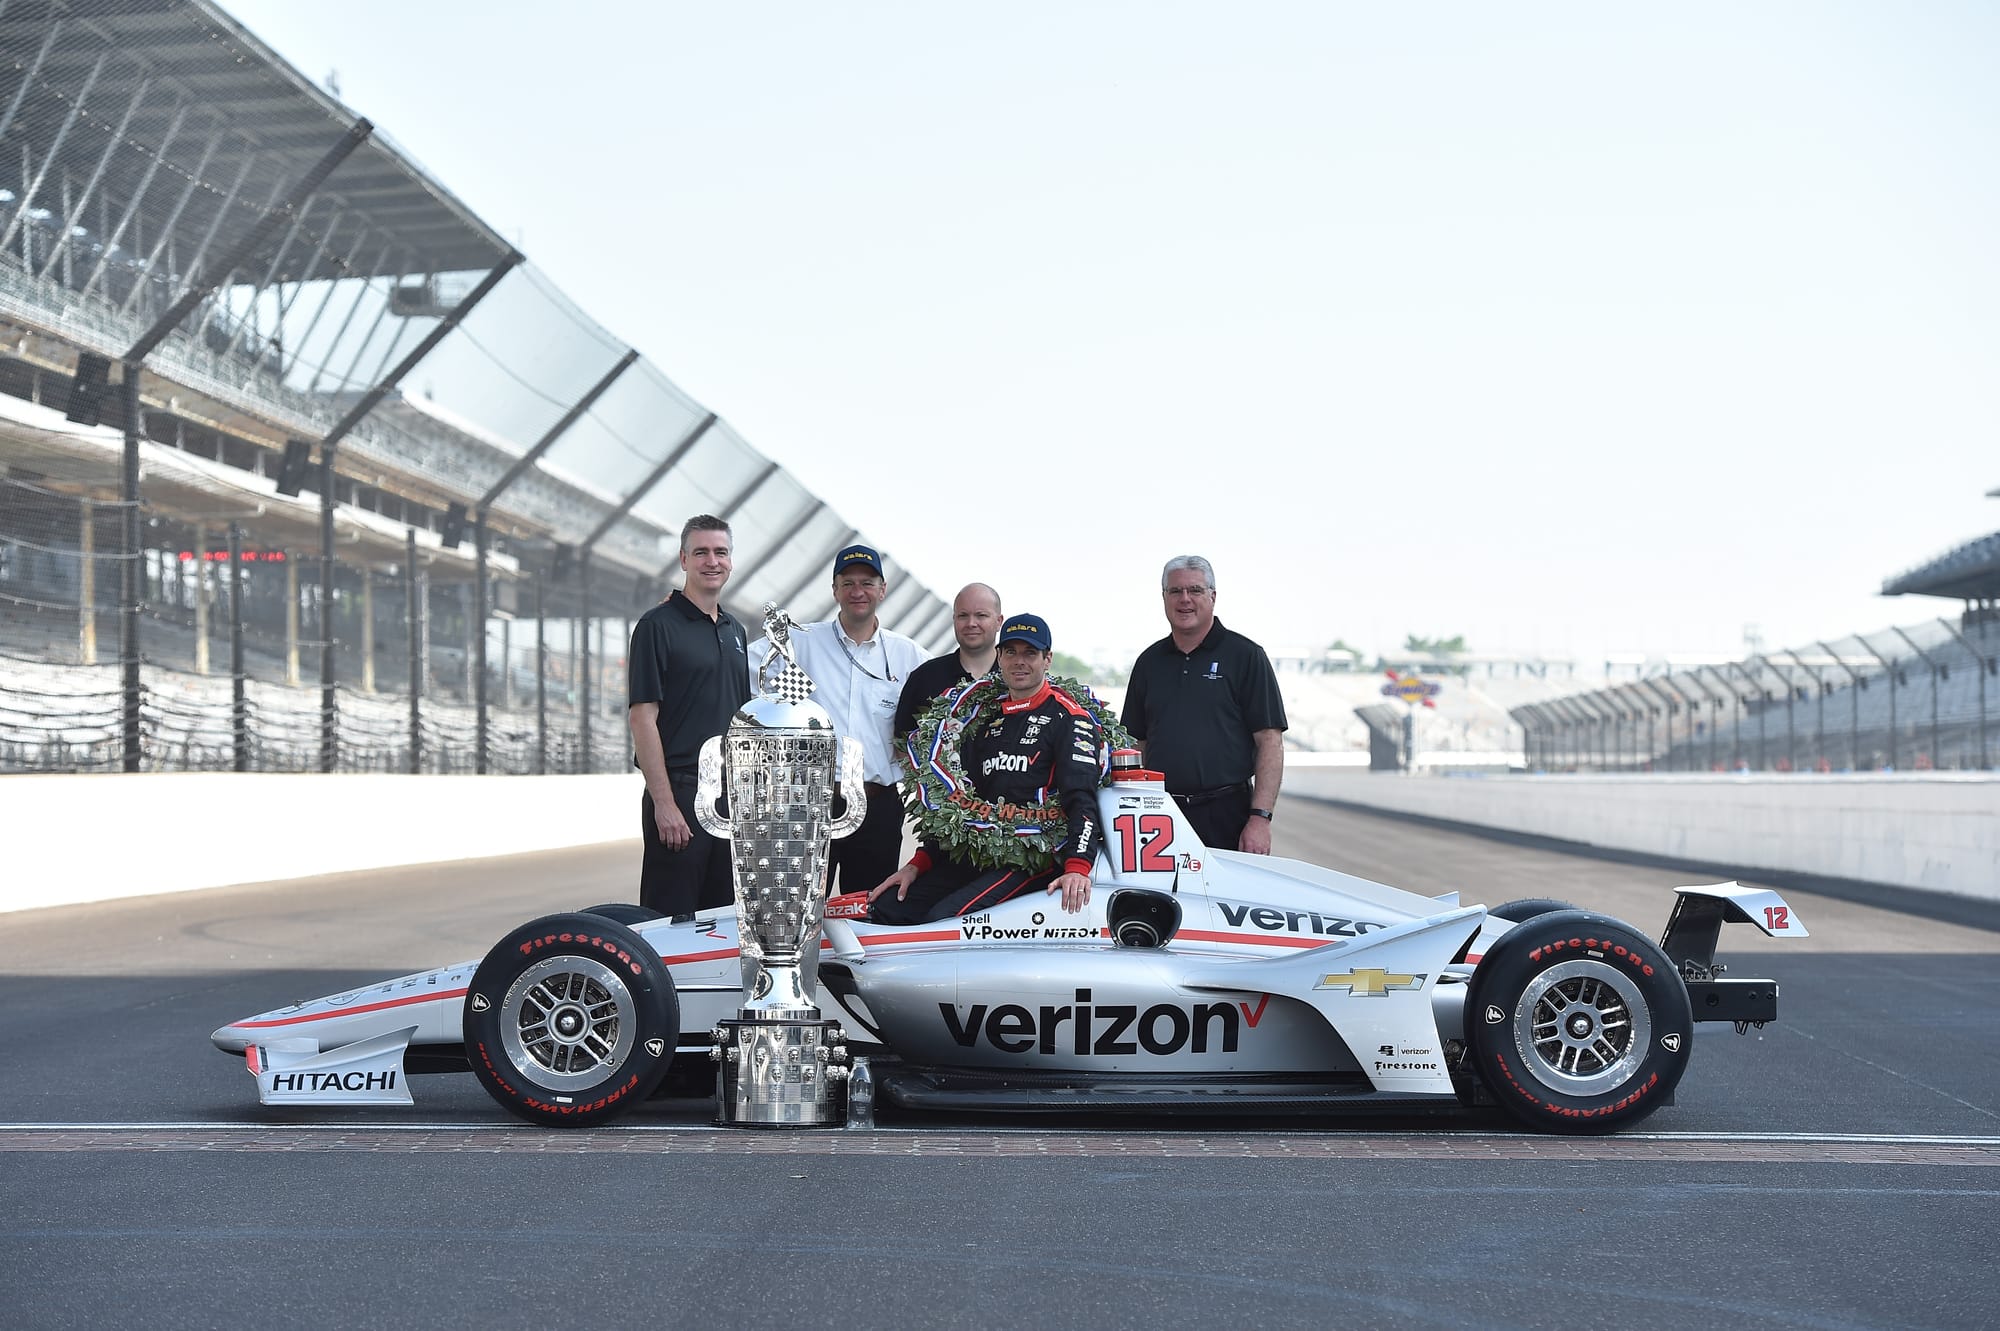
x=1689, y=942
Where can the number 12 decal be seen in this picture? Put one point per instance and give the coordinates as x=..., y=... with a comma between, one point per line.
x=1777, y=918
x=1143, y=841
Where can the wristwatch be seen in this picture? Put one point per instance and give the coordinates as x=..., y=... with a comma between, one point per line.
x=1265, y=814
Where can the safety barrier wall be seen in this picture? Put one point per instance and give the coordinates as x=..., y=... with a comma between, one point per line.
x=1937, y=831
x=77, y=838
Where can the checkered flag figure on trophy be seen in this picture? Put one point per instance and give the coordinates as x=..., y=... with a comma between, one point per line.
x=780, y=676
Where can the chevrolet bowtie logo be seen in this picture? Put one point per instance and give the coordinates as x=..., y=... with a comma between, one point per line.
x=1368, y=982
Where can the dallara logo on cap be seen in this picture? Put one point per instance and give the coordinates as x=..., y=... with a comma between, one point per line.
x=1369, y=982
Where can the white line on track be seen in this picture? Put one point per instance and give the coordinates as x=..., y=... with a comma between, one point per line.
x=1796, y=1138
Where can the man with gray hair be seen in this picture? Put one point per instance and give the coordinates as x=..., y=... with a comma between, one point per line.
x=1203, y=703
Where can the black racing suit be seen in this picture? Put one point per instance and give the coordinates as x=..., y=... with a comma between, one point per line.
x=1037, y=745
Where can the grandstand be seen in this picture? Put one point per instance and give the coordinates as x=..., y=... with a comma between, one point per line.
x=287, y=430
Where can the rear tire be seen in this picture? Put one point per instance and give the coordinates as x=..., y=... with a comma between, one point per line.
x=570, y=1020
x=626, y=913
x=1577, y=1023
x=1527, y=908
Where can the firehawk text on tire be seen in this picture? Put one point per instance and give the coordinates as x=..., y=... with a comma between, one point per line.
x=571, y=1020
x=1578, y=1024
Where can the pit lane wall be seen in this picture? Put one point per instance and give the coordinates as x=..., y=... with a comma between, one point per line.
x=1935, y=832
x=78, y=838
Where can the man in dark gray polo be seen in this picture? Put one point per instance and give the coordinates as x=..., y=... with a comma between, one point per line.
x=688, y=672
x=1203, y=702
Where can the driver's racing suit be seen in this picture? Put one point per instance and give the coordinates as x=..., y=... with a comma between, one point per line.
x=1038, y=744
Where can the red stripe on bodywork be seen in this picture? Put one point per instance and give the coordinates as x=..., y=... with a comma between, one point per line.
x=250, y=1057
x=928, y=936
x=700, y=956
x=1266, y=940
x=352, y=1011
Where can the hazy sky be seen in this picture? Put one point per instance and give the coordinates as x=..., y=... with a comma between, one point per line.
x=1569, y=328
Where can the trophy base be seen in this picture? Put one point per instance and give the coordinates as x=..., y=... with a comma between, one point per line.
x=780, y=1072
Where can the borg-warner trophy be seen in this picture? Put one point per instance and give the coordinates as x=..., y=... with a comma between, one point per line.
x=782, y=1061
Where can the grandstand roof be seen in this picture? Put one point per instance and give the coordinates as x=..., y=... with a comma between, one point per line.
x=1970, y=572
x=182, y=81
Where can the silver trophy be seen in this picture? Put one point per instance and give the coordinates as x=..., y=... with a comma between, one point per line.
x=782, y=1061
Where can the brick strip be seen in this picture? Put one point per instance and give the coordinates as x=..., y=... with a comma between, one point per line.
x=1008, y=1145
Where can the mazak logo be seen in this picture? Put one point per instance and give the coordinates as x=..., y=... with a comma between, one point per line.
x=1370, y=982
x=1104, y=1029
x=318, y=1082
x=1295, y=921
x=1004, y=762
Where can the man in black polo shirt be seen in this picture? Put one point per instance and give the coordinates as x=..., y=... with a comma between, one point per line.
x=688, y=672
x=975, y=619
x=1203, y=703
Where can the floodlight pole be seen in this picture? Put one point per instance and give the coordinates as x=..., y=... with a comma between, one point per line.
x=1978, y=665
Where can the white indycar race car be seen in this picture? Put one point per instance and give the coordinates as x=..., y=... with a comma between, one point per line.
x=1194, y=980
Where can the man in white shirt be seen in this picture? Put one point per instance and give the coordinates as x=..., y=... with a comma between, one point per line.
x=859, y=669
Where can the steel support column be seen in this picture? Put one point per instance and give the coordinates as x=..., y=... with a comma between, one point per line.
x=1854, y=708
x=558, y=430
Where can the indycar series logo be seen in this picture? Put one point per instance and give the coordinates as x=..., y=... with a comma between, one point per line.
x=1272, y=920
x=1101, y=1029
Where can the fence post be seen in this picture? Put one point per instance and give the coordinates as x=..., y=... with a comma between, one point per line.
x=86, y=545
x=583, y=671
x=415, y=615
x=479, y=643
x=128, y=647
x=541, y=684
x=239, y=702
x=329, y=716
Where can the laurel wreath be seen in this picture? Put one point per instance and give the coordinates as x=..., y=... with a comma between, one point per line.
x=949, y=812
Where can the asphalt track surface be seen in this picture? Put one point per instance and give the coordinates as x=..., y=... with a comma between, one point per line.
x=1835, y=1170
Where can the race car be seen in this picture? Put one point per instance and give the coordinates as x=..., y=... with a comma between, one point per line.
x=1195, y=980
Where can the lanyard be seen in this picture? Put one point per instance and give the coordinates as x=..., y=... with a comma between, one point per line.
x=838, y=638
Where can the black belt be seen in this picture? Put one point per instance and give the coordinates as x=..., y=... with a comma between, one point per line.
x=1194, y=797
x=889, y=786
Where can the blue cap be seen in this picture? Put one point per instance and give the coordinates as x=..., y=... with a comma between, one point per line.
x=857, y=554
x=1031, y=629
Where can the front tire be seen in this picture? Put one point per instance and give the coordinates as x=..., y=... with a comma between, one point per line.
x=1578, y=1024
x=570, y=1020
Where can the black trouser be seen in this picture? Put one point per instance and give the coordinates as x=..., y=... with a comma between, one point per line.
x=1218, y=818
x=874, y=850
x=950, y=888
x=679, y=882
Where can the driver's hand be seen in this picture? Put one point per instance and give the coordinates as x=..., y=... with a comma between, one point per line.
x=1075, y=889
x=669, y=823
x=900, y=880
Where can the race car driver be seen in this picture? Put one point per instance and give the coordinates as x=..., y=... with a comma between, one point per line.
x=1040, y=741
